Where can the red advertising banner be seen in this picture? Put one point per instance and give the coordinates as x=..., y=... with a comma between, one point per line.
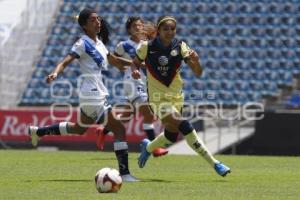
x=14, y=125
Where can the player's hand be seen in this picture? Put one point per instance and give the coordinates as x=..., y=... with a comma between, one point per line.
x=136, y=74
x=193, y=55
x=51, y=77
x=143, y=64
x=123, y=68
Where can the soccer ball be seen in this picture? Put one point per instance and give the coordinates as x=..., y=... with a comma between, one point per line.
x=108, y=180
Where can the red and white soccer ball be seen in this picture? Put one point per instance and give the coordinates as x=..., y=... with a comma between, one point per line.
x=108, y=180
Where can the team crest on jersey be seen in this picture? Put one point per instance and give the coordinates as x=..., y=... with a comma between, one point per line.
x=174, y=53
x=163, y=60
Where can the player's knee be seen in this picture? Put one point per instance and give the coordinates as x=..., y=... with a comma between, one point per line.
x=171, y=136
x=185, y=127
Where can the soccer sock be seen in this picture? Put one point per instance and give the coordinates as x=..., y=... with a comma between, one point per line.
x=195, y=142
x=55, y=129
x=162, y=140
x=121, y=151
x=149, y=129
x=105, y=131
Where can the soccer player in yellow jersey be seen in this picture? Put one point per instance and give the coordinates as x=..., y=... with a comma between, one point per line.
x=163, y=57
x=135, y=89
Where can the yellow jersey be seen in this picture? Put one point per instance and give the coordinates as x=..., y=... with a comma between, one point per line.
x=164, y=82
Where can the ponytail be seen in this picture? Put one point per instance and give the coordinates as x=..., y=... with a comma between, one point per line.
x=104, y=32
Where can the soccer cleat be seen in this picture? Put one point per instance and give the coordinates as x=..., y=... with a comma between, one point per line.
x=34, y=137
x=159, y=152
x=144, y=156
x=222, y=169
x=129, y=178
x=100, y=138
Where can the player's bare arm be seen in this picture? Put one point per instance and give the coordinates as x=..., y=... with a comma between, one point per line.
x=59, y=68
x=135, y=68
x=119, y=62
x=193, y=62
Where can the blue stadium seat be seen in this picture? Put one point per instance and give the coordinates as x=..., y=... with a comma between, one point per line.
x=296, y=67
x=226, y=64
x=198, y=84
x=227, y=85
x=241, y=85
x=253, y=96
x=214, y=74
x=231, y=7
x=270, y=89
x=229, y=74
x=226, y=97
x=213, y=85
x=271, y=75
x=249, y=47
x=240, y=96
x=286, y=78
x=243, y=75
x=256, y=86
x=294, y=102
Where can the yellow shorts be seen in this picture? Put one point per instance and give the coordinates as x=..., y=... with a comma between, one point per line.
x=164, y=104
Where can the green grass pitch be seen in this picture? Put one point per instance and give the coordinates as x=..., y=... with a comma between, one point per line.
x=31, y=174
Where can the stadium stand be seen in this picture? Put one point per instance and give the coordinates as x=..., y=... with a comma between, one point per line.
x=249, y=50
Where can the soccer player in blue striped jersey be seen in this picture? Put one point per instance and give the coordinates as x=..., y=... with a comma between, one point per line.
x=93, y=57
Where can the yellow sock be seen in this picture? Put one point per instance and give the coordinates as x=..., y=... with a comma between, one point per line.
x=199, y=147
x=159, y=141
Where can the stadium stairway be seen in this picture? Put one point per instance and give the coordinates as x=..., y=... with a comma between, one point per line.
x=21, y=46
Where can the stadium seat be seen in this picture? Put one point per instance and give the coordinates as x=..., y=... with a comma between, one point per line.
x=253, y=96
x=270, y=89
x=227, y=85
x=229, y=75
x=198, y=84
x=255, y=86
x=213, y=85
x=294, y=102
x=249, y=47
x=286, y=78
x=231, y=8
x=240, y=96
x=241, y=85
x=226, y=97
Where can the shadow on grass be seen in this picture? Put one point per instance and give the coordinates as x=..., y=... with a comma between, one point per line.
x=103, y=158
x=155, y=180
x=173, y=181
x=219, y=181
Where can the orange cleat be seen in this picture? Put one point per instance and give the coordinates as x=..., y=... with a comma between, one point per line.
x=100, y=138
x=159, y=152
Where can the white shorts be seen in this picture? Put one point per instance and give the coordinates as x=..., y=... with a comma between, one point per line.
x=94, y=107
x=135, y=92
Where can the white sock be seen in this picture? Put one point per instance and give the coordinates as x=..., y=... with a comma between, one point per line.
x=63, y=128
x=199, y=147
